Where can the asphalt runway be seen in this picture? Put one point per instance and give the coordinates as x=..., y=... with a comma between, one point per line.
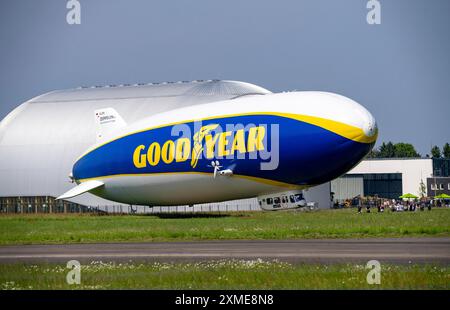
x=403, y=251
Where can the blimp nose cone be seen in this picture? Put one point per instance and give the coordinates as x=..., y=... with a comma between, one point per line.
x=370, y=127
x=365, y=120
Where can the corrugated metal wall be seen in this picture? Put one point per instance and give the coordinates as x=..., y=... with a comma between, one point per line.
x=347, y=186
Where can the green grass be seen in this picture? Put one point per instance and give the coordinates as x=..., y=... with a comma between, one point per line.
x=234, y=274
x=41, y=229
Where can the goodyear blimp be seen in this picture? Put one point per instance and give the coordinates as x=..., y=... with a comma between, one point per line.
x=270, y=146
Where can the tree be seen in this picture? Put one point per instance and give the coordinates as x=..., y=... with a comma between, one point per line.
x=405, y=150
x=387, y=150
x=446, y=150
x=391, y=150
x=435, y=152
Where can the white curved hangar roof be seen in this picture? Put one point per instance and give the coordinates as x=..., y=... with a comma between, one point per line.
x=41, y=139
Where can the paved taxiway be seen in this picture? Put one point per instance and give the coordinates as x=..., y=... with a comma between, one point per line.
x=404, y=250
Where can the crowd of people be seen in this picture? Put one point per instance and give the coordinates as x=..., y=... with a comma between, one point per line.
x=378, y=204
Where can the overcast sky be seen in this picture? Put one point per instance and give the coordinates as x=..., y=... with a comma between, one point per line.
x=399, y=70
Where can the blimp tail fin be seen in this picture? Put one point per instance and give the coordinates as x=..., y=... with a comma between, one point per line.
x=81, y=189
x=107, y=122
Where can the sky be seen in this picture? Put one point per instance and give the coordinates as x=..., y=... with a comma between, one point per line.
x=399, y=70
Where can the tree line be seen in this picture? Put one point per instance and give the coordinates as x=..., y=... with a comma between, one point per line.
x=400, y=150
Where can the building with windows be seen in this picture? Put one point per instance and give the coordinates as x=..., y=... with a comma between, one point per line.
x=438, y=185
x=392, y=177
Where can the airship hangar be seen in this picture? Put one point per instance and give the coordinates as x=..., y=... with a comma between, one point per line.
x=41, y=139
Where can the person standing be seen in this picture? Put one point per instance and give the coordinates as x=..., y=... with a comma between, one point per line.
x=422, y=205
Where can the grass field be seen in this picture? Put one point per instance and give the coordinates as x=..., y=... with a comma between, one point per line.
x=40, y=229
x=237, y=274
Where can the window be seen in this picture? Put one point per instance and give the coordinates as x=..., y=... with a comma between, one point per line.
x=441, y=186
x=298, y=197
x=292, y=199
x=276, y=200
x=386, y=185
x=269, y=201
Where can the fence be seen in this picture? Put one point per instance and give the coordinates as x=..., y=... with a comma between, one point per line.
x=121, y=209
x=39, y=204
x=48, y=204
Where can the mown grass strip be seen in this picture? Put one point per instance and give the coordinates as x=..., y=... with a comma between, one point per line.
x=42, y=229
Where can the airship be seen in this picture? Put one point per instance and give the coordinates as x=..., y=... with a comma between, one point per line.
x=272, y=146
